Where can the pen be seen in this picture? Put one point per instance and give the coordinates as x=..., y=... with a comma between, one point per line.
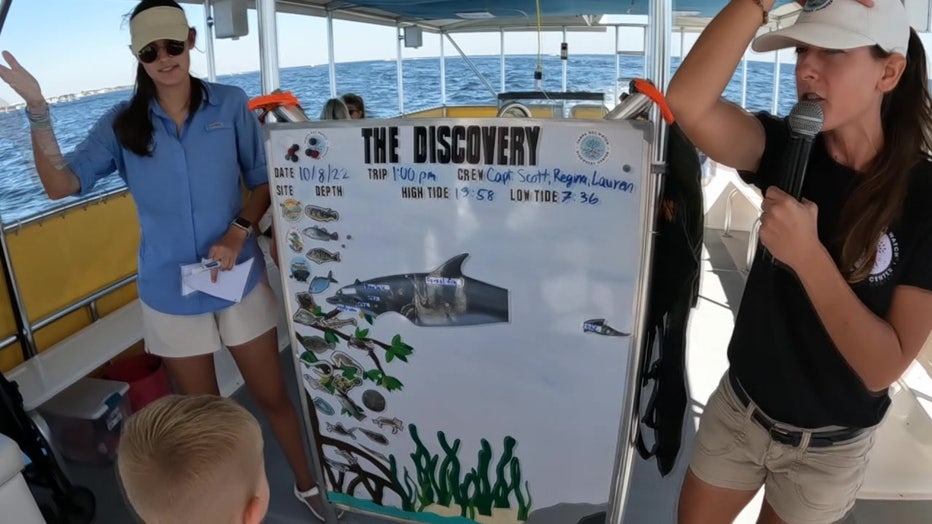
x=206, y=266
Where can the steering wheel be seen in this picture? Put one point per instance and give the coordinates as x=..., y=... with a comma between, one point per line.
x=514, y=110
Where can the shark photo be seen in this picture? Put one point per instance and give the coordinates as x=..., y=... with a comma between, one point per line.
x=442, y=297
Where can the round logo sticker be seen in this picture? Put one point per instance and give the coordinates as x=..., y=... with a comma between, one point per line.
x=592, y=147
x=815, y=5
x=315, y=145
x=888, y=253
x=291, y=210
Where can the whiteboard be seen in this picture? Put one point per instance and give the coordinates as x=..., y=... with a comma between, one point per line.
x=462, y=296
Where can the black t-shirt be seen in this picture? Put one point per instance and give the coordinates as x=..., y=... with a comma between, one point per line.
x=779, y=350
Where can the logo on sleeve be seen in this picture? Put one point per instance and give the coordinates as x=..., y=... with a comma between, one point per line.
x=888, y=254
x=815, y=5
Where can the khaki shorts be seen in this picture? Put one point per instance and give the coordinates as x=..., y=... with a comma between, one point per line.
x=804, y=485
x=177, y=336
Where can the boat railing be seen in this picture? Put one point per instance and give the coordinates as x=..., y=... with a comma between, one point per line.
x=89, y=301
x=729, y=212
x=752, y=242
x=59, y=279
x=62, y=209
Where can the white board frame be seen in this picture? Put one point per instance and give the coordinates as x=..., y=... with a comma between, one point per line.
x=647, y=202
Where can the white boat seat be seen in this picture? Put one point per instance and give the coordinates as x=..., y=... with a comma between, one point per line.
x=15, y=498
x=901, y=460
x=53, y=370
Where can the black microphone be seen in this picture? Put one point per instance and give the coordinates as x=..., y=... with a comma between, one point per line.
x=805, y=122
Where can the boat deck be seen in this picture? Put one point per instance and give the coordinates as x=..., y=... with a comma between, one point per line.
x=652, y=498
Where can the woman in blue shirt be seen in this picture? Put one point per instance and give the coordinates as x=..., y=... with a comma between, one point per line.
x=182, y=146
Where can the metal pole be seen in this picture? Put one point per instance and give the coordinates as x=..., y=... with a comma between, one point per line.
x=752, y=244
x=9, y=341
x=87, y=301
x=645, y=53
x=682, y=44
x=92, y=307
x=776, y=80
x=501, y=60
x=268, y=45
x=59, y=211
x=776, y=83
x=443, y=75
x=472, y=66
x=661, y=15
x=617, y=64
x=209, y=42
x=744, y=80
x=729, y=213
x=23, y=325
x=564, y=61
x=4, y=9
x=401, y=82
x=331, y=61
x=659, y=28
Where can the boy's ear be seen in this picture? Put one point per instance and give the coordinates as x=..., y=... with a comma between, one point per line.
x=254, y=512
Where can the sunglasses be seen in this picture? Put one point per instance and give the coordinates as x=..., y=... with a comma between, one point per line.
x=150, y=53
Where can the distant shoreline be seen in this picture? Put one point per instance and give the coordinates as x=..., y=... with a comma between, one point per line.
x=68, y=97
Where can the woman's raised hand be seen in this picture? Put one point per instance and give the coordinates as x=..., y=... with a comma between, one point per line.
x=21, y=81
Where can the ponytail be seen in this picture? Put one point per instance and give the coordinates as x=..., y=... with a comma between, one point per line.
x=875, y=203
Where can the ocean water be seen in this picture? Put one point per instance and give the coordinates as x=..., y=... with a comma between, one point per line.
x=21, y=194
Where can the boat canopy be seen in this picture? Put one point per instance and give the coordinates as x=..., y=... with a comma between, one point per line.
x=462, y=16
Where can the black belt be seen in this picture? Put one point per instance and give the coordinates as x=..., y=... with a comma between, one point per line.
x=819, y=439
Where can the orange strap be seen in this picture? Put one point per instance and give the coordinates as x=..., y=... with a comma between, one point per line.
x=649, y=90
x=284, y=98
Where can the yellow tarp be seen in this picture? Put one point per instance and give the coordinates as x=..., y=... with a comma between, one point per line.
x=65, y=258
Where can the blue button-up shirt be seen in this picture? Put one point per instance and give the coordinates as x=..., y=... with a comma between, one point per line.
x=186, y=193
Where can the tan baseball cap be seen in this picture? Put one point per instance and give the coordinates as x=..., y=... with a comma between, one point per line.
x=157, y=23
x=843, y=24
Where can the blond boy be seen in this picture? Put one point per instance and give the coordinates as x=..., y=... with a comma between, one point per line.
x=194, y=459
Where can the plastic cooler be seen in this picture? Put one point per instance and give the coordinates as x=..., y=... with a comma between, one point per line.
x=86, y=419
x=146, y=375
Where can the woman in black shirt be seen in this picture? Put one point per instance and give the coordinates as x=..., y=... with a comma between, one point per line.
x=821, y=335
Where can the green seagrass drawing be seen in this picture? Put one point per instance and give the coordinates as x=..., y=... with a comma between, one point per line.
x=442, y=480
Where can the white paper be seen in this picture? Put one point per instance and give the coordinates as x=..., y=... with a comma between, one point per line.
x=186, y=270
x=229, y=285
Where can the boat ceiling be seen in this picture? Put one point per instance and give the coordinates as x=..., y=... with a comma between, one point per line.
x=458, y=16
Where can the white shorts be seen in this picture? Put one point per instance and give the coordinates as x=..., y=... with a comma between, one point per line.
x=177, y=336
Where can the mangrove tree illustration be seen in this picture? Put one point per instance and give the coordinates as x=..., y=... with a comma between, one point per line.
x=335, y=372
x=341, y=372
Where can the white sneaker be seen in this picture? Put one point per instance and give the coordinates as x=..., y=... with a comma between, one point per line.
x=304, y=497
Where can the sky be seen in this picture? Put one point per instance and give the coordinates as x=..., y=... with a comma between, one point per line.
x=73, y=46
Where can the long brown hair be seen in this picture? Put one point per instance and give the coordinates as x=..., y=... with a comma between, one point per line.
x=133, y=126
x=877, y=200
